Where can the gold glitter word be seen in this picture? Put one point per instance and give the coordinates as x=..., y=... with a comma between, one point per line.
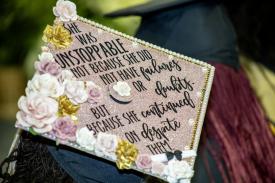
x=126, y=153
x=58, y=36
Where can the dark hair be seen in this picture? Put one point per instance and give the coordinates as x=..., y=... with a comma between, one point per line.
x=253, y=23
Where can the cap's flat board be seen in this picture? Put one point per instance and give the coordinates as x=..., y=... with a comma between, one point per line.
x=169, y=91
x=131, y=61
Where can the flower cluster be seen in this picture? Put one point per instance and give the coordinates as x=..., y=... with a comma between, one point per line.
x=110, y=146
x=53, y=97
x=127, y=156
x=57, y=35
x=176, y=170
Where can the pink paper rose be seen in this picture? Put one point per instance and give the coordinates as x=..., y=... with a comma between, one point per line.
x=122, y=88
x=45, y=66
x=65, y=129
x=144, y=161
x=37, y=111
x=94, y=93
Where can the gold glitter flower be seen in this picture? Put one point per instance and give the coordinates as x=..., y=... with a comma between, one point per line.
x=126, y=154
x=66, y=107
x=58, y=36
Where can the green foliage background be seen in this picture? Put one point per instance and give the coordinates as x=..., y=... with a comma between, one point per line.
x=23, y=21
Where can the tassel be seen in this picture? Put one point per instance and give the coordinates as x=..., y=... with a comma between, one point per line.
x=241, y=142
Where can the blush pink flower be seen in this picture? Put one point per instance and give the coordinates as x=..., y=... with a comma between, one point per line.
x=45, y=66
x=94, y=93
x=65, y=129
x=37, y=111
x=144, y=161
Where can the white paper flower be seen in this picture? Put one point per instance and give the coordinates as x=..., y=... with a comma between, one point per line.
x=76, y=91
x=106, y=145
x=176, y=170
x=157, y=168
x=65, y=10
x=46, y=56
x=46, y=85
x=122, y=88
x=85, y=138
x=65, y=75
x=45, y=49
x=37, y=111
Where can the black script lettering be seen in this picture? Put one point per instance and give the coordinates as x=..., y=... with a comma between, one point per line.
x=154, y=68
x=159, y=109
x=159, y=133
x=176, y=84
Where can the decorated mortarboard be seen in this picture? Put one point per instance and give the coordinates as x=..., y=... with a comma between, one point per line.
x=116, y=97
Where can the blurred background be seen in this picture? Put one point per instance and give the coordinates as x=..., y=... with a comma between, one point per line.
x=23, y=21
